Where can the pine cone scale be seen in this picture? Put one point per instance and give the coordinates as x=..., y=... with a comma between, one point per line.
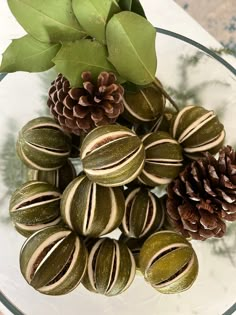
x=66, y=87
x=204, y=233
x=83, y=124
x=88, y=86
x=227, y=183
x=208, y=189
x=80, y=112
x=67, y=113
x=69, y=103
x=70, y=123
x=108, y=108
x=189, y=226
x=59, y=108
x=224, y=196
x=52, y=90
x=208, y=220
x=230, y=217
x=111, y=89
x=61, y=94
x=84, y=101
x=75, y=94
x=61, y=120
x=54, y=96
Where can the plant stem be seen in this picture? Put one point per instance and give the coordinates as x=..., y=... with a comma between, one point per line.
x=167, y=96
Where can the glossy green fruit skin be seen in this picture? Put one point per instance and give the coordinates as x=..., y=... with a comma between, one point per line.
x=42, y=144
x=111, y=268
x=92, y=210
x=112, y=155
x=34, y=206
x=168, y=262
x=62, y=269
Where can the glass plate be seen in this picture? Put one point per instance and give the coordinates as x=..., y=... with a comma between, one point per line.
x=193, y=75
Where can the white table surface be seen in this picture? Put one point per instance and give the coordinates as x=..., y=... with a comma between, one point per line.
x=161, y=13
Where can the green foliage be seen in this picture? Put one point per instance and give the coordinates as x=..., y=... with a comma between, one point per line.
x=93, y=16
x=28, y=54
x=125, y=5
x=132, y=5
x=131, y=47
x=59, y=32
x=84, y=55
x=137, y=8
x=47, y=21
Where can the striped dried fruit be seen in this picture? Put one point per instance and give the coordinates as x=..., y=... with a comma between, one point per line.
x=59, y=178
x=34, y=206
x=53, y=260
x=144, y=105
x=163, y=160
x=143, y=213
x=112, y=155
x=111, y=268
x=42, y=144
x=168, y=262
x=198, y=130
x=134, y=245
x=90, y=209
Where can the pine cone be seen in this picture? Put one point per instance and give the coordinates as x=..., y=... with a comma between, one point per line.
x=203, y=196
x=79, y=110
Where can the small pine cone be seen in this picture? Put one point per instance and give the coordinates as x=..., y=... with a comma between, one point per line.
x=203, y=196
x=79, y=110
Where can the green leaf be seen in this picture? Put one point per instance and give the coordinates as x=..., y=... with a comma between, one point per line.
x=47, y=21
x=137, y=8
x=132, y=5
x=93, y=15
x=79, y=56
x=131, y=47
x=125, y=5
x=28, y=54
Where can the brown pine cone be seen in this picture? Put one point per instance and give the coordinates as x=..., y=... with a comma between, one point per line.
x=203, y=196
x=79, y=110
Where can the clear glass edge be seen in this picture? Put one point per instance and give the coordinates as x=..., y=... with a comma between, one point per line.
x=3, y=299
x=8, y=304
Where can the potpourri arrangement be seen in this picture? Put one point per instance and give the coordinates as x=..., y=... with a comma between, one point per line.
x=110, y=111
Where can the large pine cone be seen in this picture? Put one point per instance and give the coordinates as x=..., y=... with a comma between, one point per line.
x=79, y=110
x=204, y=196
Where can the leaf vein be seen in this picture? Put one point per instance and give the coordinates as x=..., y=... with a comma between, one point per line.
x=135, y=52
x=51, y=18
